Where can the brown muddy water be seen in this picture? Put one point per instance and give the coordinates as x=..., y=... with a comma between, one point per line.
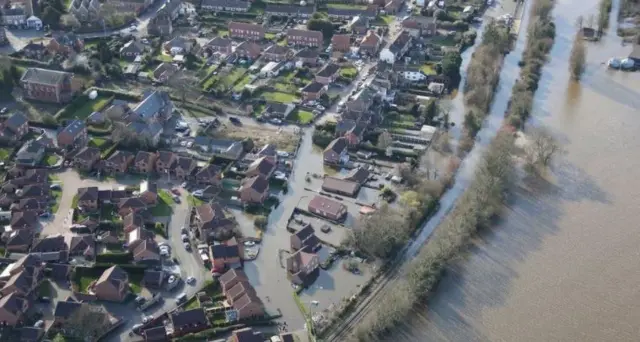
x=563, y=264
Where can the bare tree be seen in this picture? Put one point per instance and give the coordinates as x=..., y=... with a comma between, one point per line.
x=183, y=85
x=381, y=234
x=385, y=140
x=88, y=322
x=578, y=57
x=69, y=20
x=541, y=147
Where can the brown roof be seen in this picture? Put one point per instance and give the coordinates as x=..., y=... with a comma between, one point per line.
x=212, y=216
x=245, y=26
x=133, y=219
x=185, y=163
x=305, y=33
x=231, y=275
x=277, y=49
x=308, y=238
x=131, y=202
x=299, y=260
x=189, y=317
x=88, y=194
x=371, y=39
x=166, y=156
x=88, y=153
x=143, y=156
x=20, y=237
x=358, y=175
x=13, y=303
x=210, y=171
x=114, y=275
x=24, y=219
x=225, y=251
x=121, y=157
x=247, y=335
x=251, y=48
x=341, y=39
x=144, y=248
x=49, y=244
x=246, y=299
x=258, y=183
x=263, y=165
x=80, y=243
x=329, y=206
x=237, y=290
x=219, y=42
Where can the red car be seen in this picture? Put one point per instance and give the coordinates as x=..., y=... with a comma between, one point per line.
x=175, y=191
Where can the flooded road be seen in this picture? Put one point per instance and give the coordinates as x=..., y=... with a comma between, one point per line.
x=562, y=265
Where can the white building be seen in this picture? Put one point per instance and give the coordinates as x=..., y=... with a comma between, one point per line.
x=414, y=76
x=14, y=15
x=272, y=69
x=34, y=22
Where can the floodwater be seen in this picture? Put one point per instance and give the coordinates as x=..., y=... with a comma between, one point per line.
x=563, y=262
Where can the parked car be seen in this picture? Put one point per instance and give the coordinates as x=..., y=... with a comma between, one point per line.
x=276, y=121
x=39, y=324
x=55, y=187
x=191, y=280
x=185, y=238
x=181, y=298
x=235, y=120
x=184, y=230
x=187, y=246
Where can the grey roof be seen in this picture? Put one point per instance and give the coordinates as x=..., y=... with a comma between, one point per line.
x=132, y=46
x=400, y=42
x=351, y=12
x=193, y=316
x=44, y=76
x=74, y=128
x=141, y=128
x=65, y=309
x=307, y=53
x=65, y=38
x=13, y=11
x=16, y=120
x=152, y=104
x=226, y=3
x=277, y=49
x=257, y=183
x=329, y=70
x=313, y=87
x=219, y=41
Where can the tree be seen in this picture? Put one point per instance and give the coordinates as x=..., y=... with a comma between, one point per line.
x=88, y=322
x=578, y=57
x=104, y=53
x=381, y=234
x=125, y=137
x=321, y=24
x=384, y=140
x=69, y=20
x=451, y=65
x=541, y=147
x=261, y=222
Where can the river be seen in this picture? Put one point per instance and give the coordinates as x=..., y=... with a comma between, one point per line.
x=562, y=263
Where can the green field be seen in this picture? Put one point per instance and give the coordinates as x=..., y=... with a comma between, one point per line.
x=428, y=69
x=349, y=72
x=347, y=6
x=92, y=106
x=281, y=97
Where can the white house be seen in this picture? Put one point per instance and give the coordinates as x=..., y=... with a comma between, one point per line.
x=397, y=49
x=413, y=76
x=34, y=22
x=272, y=69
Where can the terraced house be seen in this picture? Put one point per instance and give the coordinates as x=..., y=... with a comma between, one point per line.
x=246, y=30
x=305, y=38
x=225, y=5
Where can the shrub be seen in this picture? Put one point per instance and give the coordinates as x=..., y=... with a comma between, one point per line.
x=261, y=222
x=115, y=258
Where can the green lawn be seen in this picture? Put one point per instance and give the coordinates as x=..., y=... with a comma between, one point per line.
x=428, y=69
x=134, y=282
x=347, y=6
x=92, y=106
x=269, y=36
x=301, y=116
x=50, y=159
x=286, y=87
x=164, y=58
x=84, y=282
x=194, y=201
x=74, y=202
x=163, y=208
x=349, y=72
x=97, y=142
x=243, y=82
x=4, y=153
x=279, y=97
x=192, y=304
x=384, y=19
x=44, y=290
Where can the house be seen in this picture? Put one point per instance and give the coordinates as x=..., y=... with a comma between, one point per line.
x=277, y=53
x=34, y=50
x=328, y=74
x=150, y=131
x=85, y=10
x=23, y=282
x=209, y=174
x=225, y=5
x=313, y=91
x=30, y=154
x=411, y=74
x=81, y=245
x=132, y=49
x=246, y=30
x=271, y=69
x=38, y=205
x=307, y=56
x=420, y=26
x=23, y=220
x=31, y=334
x=341, y=42
x=397, y=49
x=303, y=267
x=113, y=285
x=188, y=321
x=171, y=8
x=65, y=43
x=34, y=190
x=370, y=43
x=65, y=309
x=119, y=162
x=88, y=198
x=350, y=13
x=183, y=167
x=146, y=252
x=230, y=278
x=305, y=239
x=156, y=334
x=223, y=148
x=164, y=71
x=254, y=189
x=246, y=335
x=51, y=248
x=87, y=158
x=246, y=306
x=359, y=175
x=179, y=46
x=47, y=85
x=284, y=10
x=161, y=25
x=340, y=186
x=73, y=135
x=153, y=279
x=268, y=150
x=218, y=44
x=210, y=219
x=13, y=309
x=13, y=15
x=305, y=37
x=360, y=25
x=393, y=6
x=14, y=128
x=132, y=222
x=149, y=192
x=336, y=152
x=226, y=255
x=327, y=208
x=18, y=241
x=135, y=6
x=145, y=162
x=263, y=166
x=249, y=50
x=156, y=106
x=165, y=161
